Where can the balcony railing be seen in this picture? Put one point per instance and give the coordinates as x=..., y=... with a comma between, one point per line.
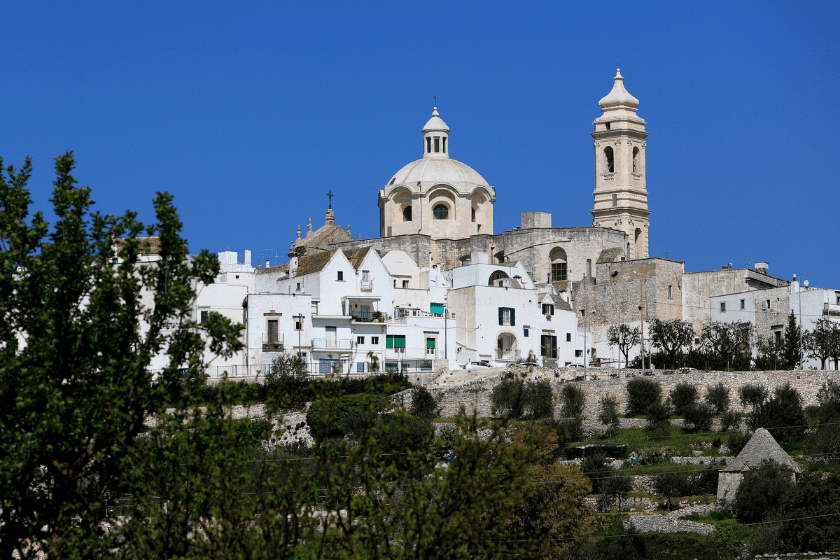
x=331, y=344
x=412, y=354
x=272, y=341
x=367, y=286
x=507, y=354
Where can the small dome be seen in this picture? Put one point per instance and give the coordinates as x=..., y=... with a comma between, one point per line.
x=432, y=171
x=435, y=123
x=618, y=96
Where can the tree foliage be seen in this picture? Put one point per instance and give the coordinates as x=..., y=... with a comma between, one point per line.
x=75, y=386
x=671, y=337
x=717, y=396
x=729, y=342
x=423, y=403
x=624, y=338
x=792, y=347
x=753, y=395
x=761, y=492
x=641, y=395
x=574, y=400
x=783, y=415
x=823, y=343
x=518, y=399
x=683, y=396
x=609, y=414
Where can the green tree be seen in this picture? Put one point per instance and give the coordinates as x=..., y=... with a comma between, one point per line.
x=753, y=395
x=508, y=398
x=728, y=342
x=812, y=507
x=671, y=337
x=792, y=348
x=625, y=338
x=670, y=485
x=574, y=400
x=761, y=492
x=75, y=384
x=718, y=397
x=769, y=354
x=609, y=414
x=683, y=396
x=423, y=403
x=641, y=395
x=783, y=415
x=821, y=343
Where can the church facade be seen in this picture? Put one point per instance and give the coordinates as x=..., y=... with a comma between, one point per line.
x=440, y=211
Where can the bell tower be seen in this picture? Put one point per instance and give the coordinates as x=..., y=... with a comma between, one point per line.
x=620, y=187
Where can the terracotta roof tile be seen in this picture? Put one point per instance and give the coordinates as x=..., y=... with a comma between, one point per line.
x=356, y=256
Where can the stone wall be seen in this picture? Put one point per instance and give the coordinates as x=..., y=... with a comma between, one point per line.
x=608, y=382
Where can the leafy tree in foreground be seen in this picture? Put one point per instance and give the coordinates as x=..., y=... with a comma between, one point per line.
x=609, y=414
x=812, y=505
x=683, y=396
x=753, y=395
x=718, y=397
x=574, y=400
x=671, y=337
x=625, y=338
x=641, y=395
x=423, y=404
x=728, y=342
x=783, y=415
x=792, y=348
x=74, y=381
x=823, y=342
x=761, y=492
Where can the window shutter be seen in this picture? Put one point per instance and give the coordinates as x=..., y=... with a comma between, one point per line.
x=512, y=317
x=542, y=345
x=501, y=316
x=554, y=347
x=389, y=341
x=430, y=343
x=399, y=341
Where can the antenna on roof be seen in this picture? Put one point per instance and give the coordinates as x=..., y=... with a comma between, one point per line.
x=435, y=99
x=226, y=245
x=276, y=256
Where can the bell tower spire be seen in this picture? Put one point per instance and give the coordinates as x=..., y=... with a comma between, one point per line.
x=620, y=186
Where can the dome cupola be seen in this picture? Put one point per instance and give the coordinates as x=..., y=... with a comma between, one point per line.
x=435, y=137
x=619, y=98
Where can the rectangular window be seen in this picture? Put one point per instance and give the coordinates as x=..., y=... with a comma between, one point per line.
x=444, y=145
x=204, y=315
x=525, y=332
x=507, y=316
x=299, y=323
x=428, y=145
x=723, y=307
x=360, y=340
x=374, y=340
x=558, y=272
x=778, y=335
x=768, y=304
x=395, y=341
x=298, y=286
x=405, y=283
x=578, y=353
x=360, y=367
x=548, y=346
x=568, y=337
x=340, y=276
x=437, y=144
x=548, y=309
x=589, y=267
x=671, y=293
x=743, y=306
x=436, y=309
x=273, y=332
x=366, y=276
x=615, y=200
x=430, y=346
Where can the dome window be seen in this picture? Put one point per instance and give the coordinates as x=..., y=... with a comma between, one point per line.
x=444, y=144
x=440, y=212
x=437, y=144
x=407, y=214
x=428, y=145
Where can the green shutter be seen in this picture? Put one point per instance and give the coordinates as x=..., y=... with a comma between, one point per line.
x=430, y=343
x=553, y=346
x=437, y=308
x=512, y=317
x=501, y=316
x=542, y=345
x=399, y=341
x=389, y=341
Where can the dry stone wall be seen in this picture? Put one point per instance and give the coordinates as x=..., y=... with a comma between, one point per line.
x=476, y=395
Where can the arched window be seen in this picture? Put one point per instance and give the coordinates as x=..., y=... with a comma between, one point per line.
x=440, y=212
x=473, y=214
x=635, y=160
x=496, y=276
x=558, y=265
x=636, y=240
x=608, y=154
x=407, y=214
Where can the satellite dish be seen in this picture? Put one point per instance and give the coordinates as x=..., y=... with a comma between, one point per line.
x=805, y=283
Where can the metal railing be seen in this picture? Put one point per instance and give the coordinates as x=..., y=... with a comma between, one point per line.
x=411, y=354
x=331, y=344
x=367, y=286
x=270, y=339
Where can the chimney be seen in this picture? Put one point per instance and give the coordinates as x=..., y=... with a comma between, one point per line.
x=761, y=267
x=267, y=263
x=248, y=257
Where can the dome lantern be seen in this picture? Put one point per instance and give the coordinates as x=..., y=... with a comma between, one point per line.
x=435, y=137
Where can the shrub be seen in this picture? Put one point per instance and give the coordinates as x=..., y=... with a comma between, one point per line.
x=698, y=418
x=752, y=395
x=782, y=416
x=641, y=394
x=597, y=471
x=538, y=399
x=251, y=432
x=670, y=485
x=658, y=416
x=737, y=441
x=813, y=502
x=609, y=414
x=423, y=404
x=683, y=396
x=761, y=492
x=326, y=418
x=507, y=398
x=730, y=421
x=573, y=401
x=718, y=397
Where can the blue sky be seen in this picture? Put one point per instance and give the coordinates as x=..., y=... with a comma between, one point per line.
x=250, y=112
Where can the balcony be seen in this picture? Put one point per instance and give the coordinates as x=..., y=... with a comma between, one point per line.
x=507, y=355
x=367, y=286
x=331, y=344
x=411, y=354
x=272, y=342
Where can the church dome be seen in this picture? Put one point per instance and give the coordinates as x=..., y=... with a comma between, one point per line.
x=435, y=123
x=432, y=171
